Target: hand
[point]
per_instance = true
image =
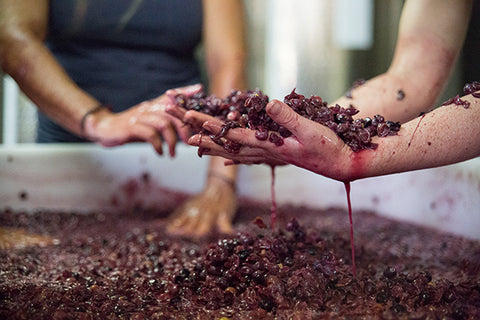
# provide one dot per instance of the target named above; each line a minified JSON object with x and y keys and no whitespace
{"x":147,"y":121}
{"x":191,"y":118}
{"x":312,"y":145}
{"x":213,"y":208}
{"x":20,"y":238}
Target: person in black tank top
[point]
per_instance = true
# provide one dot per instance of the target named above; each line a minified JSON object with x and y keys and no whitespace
{"x":98,"y":71}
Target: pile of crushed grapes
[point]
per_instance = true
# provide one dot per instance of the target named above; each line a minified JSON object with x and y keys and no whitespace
{"x":247,"y":109}
{"x":123,"y":265}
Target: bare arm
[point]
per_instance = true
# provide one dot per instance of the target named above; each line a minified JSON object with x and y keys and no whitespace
{"x":225,"y":50}
{"x":430,"y":37}
{"x":446,"y":135}
{"x":224,"y":42}
{"x":23,"y":55}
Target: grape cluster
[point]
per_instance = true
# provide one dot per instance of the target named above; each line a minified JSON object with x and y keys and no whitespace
{"x":246,"y":109}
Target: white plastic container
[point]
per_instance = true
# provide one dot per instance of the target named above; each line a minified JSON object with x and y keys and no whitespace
{"x":88,"y":177}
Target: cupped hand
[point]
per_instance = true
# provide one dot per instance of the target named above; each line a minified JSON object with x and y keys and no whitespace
{"x":211,"y":209}
{"x":147,"y":121}
{"x":193,"y":119}
{"x":312,"y":146}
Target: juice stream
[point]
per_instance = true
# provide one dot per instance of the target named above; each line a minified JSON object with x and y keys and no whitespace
{"x":273,"y":214}
{"x":347,"y":189}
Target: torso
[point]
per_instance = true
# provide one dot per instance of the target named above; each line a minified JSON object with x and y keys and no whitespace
{"x":124,"y":51}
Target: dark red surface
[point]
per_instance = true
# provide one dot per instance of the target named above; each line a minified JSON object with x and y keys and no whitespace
{"x":122,"y":265}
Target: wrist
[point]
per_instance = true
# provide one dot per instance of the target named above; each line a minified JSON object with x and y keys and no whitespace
{"x":355,"y":164}
{"x":90,"y":119}
{"x":230,"y":182}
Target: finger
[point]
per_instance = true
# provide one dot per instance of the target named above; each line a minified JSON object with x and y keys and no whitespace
{"x":170,"y":136}
{"x":176,"y":224}
{"x":224,"y":223}
{"x":175,"y":111}
{"x":187,"y":223}
{"x":197,"y":116}
{"x":212,"y":148}
{"x":184,"y":132}
{"x":241,"y":135}
{"x":181,"y":218}
{"x":188,"y":90}
{"x":203,"y":226}
{"x":246,"y":155}
{"x":203,"y":141}
{"x":303,"y":129}
{"x":254,"y":160}
{"x":192,"y":227}
{"x":181,"y":129}
{"x":196,"y":119}
{"x":148,"y":134}
{"x":165,"y":126}
{"x":285,"y":116}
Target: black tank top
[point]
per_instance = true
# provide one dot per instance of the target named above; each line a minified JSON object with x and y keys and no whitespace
{"x":123,"y":51}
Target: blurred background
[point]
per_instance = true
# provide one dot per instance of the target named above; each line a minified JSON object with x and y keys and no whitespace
{"x":316,"y":46}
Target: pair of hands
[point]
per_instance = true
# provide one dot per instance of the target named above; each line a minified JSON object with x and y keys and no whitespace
{"x":312,"y":146}
{"x":149,"y":121}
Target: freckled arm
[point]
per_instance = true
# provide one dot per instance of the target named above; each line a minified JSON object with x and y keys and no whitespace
{"x":430,"y":36}
{"x":447,"y":135}
{"x":24,"y":56}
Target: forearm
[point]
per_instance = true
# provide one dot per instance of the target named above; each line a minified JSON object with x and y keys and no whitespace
{"x":227,"y":77}
{"x":230,"y":76}
{"x":430,"y":36}
{"x":447,"y":135}
{"x":224,"y":39}
{"x":45,"y":82}
{"x":394,"y":96}
{"x":225,"y":45}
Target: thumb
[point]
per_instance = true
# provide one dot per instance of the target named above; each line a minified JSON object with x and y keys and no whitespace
{"x":284,"y":116}
{"x":188,"y":90}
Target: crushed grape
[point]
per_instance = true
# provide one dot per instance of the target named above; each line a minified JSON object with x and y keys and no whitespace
{"x":457,"y":101}
{"x":247,"y":109}
{"x":469,"y":88}
{"x":123,"y":265}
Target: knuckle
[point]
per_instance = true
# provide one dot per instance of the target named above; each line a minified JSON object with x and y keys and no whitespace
{"x":291,"y":119}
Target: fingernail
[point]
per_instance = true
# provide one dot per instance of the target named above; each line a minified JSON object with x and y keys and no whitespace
{"x":274,"y":108}
{"x":212,"y":126}
{"x":194,"y":87}
{"x":193,"y":141}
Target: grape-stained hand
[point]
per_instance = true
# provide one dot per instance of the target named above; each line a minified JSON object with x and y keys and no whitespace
{"x":312,"y":146}
{"x":147,"y":121}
